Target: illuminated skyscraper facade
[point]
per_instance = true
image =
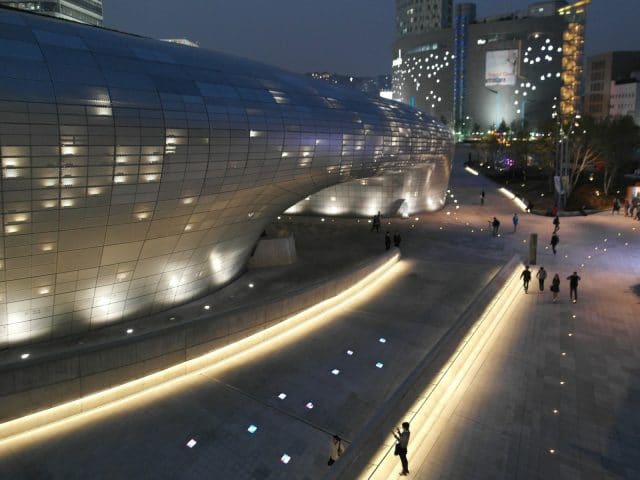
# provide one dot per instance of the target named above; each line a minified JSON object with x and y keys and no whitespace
{"x":414,"y":17}
{"x":84,"y":11}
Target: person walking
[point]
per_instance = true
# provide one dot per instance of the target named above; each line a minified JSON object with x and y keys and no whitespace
{"x":495,"y":225}
{"x":555,"y":286}
{"x":482,"y":197}
{"x":397,"y":239}
{"x":526,"y":278}
{"x":515,"y":222}
{"x":627,"y":206}
{"x":556,"y":224}
{"x":375,"y":223}
{"x":335,"y":449}
{"x":555,"y":239}
{"x":387,"y":241}
{"x":616,"y":206}
{"x":541,"y":276}
{"x":573,"y":286}
{"x":402,"y":439}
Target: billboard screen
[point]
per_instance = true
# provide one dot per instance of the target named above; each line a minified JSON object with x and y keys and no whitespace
{"x":502,"y":67}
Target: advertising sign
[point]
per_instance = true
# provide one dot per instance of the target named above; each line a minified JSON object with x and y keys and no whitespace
{"x":502,"y":67}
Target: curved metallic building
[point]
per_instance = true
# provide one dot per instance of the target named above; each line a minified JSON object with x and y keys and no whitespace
{"x":138,"y":174}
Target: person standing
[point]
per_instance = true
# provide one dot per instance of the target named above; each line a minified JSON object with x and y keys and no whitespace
{"x":495,"y":225}
{"x":541,"y":276}
{"x":627,"y":206}
{"x":554,"y":242}
{"x":482,"y":197}
{"x":397,"y":239}
{"x":515,"y":222}
{"x":526,"y":278}
{"x":402,"y":444}
{"x":573,"y":286}
{"x":556,"y":224}
{"x":375,"y":223}
{"x":335,"y":449}
{"x":555,"y":286}
{"x":387,"y":241}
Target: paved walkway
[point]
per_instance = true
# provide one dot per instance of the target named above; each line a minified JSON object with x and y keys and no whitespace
{"x":503,"y":424}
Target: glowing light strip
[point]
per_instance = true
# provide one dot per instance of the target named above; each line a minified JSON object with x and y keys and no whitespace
{"x":471,"y":171}
{"x":514,"y":198}
{"x":430,"y":413}
{"x":77,"y":412}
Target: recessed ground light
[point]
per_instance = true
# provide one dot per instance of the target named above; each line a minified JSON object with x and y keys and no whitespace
{"x":191,"y":443}
{"x":335,"y":371}
{"x":282,"y":396}
{"x":252,"y":429}
{"x":309,"y":405}
{"x":379,"y":364}
{"x":251,"y":285}
{"x":129,"y":330}
{"x":349,"y":352}
{"x":382,"y":340}
{"x":285,"y":458}
{"x":24,"y":356}
{"x":207,"y":307}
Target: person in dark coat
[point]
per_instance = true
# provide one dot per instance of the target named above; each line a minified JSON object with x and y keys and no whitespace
{"x":526,"y":278}
{"x":556,"y":224}
{"x":495,"y":225}
{"x":397,"y":239}
{"x":554,"y":242}
{"x":555,"y":286}
{"x":402,"y":439}
{"x":541,"y":276}
{"x":573,"y":286}
{"x":387,"y":240}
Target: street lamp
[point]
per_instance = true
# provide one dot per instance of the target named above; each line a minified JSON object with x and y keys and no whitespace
{"x":497,"y":120}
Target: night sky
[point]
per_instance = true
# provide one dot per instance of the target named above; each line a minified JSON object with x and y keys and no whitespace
{"x":342,"y":36}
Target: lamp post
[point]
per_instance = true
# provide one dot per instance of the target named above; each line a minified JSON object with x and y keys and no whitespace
{"x":497,"y":93}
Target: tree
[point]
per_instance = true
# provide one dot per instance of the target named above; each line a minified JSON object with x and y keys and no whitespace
{"x":617,"y":138}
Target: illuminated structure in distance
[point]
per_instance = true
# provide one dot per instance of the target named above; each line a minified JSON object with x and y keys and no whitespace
{"x":511,"y":68}
{"x":83,"y":11}
{"x":139,"y":174}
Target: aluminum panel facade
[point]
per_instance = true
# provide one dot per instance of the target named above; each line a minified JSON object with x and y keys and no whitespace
{"x":138,"y":174}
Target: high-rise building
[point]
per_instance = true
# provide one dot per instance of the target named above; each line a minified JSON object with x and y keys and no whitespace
{"x":625,"y":98}
{"x":83,"y":11}
{"x":417,"y":16}
{"x":484,"y":71}
{"x":601,"y":72}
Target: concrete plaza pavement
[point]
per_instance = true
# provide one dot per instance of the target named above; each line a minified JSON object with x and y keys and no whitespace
{"x":503,"y":425}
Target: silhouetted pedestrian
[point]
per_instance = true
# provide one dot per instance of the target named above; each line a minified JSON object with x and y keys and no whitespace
{"x":526,"y":278}
{"x":555,"y":239}
{"x":482,"y":197}
{"x":530,"y":206}
{"x":397,"y":239}
{"x":555,"y":286}
{"x":335,"y":449}
{"x":556,"y":224}
{"x":495,"y":225}
{"x":402,"y":444}
{"x":541,"y":276}
{"x":515,"y":222}
{"x":387,"y":241}
{"x":573,"y":286}
{"x":627,"y":206}
{"x":616,"y":206}
{"x":375,"y":222}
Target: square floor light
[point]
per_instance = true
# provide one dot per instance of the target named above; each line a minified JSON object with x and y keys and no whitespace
{"x":335,"y":371}
{"x":285,"y":458}
{"x":309,"y":405}
{"x":382,"y":340}
{"x":282,"y":396}
{"x":349,"y":352}
{"x":252,"y":429}
{"x":379,"y":364}
{"x":191,"y":443}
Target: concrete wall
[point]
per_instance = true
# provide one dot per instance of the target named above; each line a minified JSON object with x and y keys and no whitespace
{"x":30,"y":386}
